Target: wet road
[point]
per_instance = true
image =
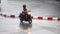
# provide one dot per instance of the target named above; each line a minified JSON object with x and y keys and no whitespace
{"x":13,"y":26}
{"x":38,"y":8}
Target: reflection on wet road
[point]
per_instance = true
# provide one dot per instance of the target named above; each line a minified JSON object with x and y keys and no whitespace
{"x":26,"y":28}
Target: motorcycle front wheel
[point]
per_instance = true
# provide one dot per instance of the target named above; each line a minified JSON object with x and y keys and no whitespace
{"x":30,"y":21}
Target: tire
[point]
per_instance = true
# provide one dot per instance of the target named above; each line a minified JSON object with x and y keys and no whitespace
{"x":30,"y":21}
{"x":21,"y":20}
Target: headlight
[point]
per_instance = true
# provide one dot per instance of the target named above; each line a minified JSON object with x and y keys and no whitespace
{"x":29,"y":12}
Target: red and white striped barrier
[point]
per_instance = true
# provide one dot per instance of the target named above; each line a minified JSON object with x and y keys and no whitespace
{"x":11,"y":16}
{"x":33,"y":17}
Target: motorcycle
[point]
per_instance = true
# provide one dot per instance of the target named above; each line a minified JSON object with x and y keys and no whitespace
{"x":24,"y":17}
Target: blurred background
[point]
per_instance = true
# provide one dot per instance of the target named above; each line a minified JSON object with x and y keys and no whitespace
{"x":37,"y":7}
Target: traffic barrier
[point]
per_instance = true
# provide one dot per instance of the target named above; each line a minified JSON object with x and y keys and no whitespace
{"x":12,"y":16}
{"x":50,"y":18}
{"x":58,"y":19}
{"x":4,"y":15}
{"x":33,"y":17}
{"x":40,"y":17}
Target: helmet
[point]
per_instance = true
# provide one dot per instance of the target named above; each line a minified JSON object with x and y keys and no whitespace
{"x":24,"y":6}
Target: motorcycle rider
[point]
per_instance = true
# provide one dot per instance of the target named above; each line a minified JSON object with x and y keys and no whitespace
{"x":25,"y":12}
{"x":25,"y":15}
